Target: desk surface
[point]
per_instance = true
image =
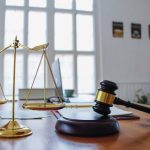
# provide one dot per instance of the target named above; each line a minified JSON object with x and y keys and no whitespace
{"x":133,"y":135}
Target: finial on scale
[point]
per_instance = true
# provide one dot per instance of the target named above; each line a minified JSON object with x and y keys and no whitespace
{"x":15,"y":43}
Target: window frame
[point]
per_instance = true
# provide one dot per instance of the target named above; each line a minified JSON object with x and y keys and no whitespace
{"x":50,"y":12}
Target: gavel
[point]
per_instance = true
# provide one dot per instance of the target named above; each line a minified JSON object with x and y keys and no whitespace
{"x":106,"y":97}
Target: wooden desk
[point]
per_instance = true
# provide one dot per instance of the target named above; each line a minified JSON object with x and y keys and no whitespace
{"x":134,"y":135}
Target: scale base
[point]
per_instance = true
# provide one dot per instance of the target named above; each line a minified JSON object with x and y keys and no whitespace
{"x":87,"y":125}
{"x":14,"y":130}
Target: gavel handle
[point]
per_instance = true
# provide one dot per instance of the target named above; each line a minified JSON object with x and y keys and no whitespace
{"x":119,"y":101}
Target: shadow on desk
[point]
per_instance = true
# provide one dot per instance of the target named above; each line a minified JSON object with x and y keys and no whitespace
{"x":120,"y":141}
{"x":88,"y":139}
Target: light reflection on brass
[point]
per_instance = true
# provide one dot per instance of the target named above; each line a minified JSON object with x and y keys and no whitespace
{"x":105,"y":97}
{"x":13,"y":129}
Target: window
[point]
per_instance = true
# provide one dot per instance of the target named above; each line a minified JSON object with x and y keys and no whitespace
{"x":15,"y":2}
{"x":63,"y":31}
{"x":63,"y":4}
{"x":85,"y":33}
{"x":74,"y":44}
{"x":85,"y":78}
{"x":69,"y":27}
{"x":8,"y":70}
{"x":36,"y":28}
{"x":10,"y":25}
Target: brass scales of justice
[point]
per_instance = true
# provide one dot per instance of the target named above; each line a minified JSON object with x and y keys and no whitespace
{"x":13,"y":128}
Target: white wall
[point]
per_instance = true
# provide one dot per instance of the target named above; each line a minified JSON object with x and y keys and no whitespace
{"x":124,"y":60}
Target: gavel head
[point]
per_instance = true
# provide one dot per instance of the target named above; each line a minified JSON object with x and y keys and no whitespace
{"x":105,"y":97}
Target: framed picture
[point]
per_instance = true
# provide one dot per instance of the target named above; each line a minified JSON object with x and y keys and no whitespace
{"x":149,"y":31}
{"x":136,"y":31}
{"x":117,"y":29}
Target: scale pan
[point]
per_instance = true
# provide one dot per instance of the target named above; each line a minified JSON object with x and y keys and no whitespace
{"x":43,"y":106}
{"x":3,"y":101}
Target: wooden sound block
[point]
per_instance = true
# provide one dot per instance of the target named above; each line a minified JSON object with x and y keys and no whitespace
{"x":87,"y":124}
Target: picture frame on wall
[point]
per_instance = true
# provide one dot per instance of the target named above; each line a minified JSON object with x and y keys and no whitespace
{"x":117,"y":29}
{"x":136,"y":30}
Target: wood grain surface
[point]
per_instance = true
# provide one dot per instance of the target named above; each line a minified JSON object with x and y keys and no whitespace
{"x":133,"y":135}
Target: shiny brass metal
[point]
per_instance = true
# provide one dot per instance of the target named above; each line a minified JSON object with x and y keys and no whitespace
{"x":105,"y":97}
{"x":15,"y":45}
{"x":14,"y":130}
{"x":43,"y":106}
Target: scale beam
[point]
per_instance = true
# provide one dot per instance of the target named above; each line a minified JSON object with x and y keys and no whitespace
{"x":36,"y":48}
{"x":2,"y":50}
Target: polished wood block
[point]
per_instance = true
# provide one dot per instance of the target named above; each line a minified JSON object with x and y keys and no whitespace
{"x":87,"y":124}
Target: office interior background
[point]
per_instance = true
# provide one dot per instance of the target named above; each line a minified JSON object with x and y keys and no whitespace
{"x":79,"y":33}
